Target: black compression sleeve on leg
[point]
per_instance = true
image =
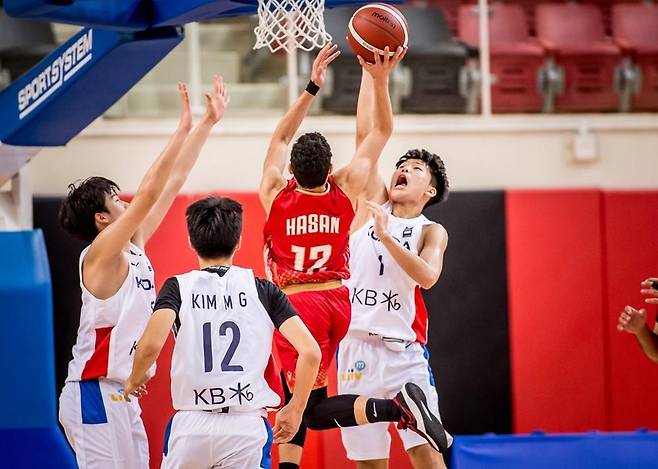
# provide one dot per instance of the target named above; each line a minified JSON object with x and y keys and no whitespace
{"x":338,"y":411}
{"x":288,"y":465}
{"x":332,"y":412}
{"x":382,"y":410}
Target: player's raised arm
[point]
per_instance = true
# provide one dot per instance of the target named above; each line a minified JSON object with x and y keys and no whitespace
{"x":104,"y":267}
{"x":148,"y":349}
{"x":425,"y":268}
{"x":375,"y":187}
{"x":289,"y":418}
{"x":354,"y":177}
{"x":273,"y":168}
{"x":188,"y":154}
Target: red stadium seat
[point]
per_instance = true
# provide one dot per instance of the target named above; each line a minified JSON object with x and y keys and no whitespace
{"x":635,"y":30}
{"x":574,"y":36}
{"x":516,"y":58}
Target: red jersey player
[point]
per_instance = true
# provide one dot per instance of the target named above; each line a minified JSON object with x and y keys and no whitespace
{"x":309,"y":218}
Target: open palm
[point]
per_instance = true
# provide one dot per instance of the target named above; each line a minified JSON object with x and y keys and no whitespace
{"x":217,"y":102}
{"x":327,"y":54}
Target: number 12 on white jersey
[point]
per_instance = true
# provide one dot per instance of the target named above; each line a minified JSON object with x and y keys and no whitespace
{"x":319,"y":254}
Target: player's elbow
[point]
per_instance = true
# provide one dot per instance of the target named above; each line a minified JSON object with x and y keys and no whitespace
{"x":311,"y":353}
{"x":384,"y":127}
{"x":148,"y":349}
{"x":427,"y":284}
{"x":429,"y":280}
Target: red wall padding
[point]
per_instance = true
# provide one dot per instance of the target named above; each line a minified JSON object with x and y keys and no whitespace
{"x":631,"y":233}
{"x":554,"y":255}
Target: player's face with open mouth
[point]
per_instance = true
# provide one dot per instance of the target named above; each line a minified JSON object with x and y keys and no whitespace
{"x":410,"y":180}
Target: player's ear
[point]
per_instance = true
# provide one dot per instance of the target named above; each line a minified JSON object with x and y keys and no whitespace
{"x":238,"y":246}
{"x":101,"y":218}
{"x":290,"y":168}
{"x":189,"y":242}
{"x":431,"y":191}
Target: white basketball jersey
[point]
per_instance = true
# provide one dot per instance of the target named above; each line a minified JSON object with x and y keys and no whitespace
{"x":385,"y":300}
{"x":109,"y":329}
{"x":223,"y":343}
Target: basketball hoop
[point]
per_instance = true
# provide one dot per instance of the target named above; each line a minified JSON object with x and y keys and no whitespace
{"x":291,"y":24}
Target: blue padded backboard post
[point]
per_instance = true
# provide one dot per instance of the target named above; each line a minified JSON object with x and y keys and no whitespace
{"x":29,"y":435}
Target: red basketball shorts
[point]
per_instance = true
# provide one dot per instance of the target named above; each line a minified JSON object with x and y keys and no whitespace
{"x":327,"y":314}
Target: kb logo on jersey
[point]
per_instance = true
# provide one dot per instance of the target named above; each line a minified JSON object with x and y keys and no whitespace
{"x":144,"y":283}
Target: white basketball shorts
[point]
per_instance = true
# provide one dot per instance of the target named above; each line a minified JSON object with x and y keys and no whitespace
{"x":199,"y":440}
{"x":368,"y":367}
{"x":105,"y":431}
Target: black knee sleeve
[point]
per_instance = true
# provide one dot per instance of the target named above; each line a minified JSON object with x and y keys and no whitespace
{"x":332,"y":412}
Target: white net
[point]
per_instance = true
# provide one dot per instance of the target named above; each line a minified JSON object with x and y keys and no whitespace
{"x":291,"y":24}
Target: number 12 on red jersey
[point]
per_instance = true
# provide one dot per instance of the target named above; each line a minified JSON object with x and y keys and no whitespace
{"x":319,"y":254}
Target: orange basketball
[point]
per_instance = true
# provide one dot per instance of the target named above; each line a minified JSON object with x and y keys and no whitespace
{"x":375,"y":26}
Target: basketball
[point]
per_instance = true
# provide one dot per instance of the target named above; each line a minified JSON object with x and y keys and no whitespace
{"x":375,"y":26}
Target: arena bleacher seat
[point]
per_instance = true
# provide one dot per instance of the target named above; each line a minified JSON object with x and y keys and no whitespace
{"x":574,"y":37}
{"x":439,"y":67}
{"x":516,"y":58}
{"x":635,"y":30}
{"x":344,"y":77}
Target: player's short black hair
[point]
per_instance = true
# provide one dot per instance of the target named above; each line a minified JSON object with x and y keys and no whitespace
{"x":78,"y":210}
{"x":437,"y":168}
{"x":214,"y":225}
{"x":310,"y":159}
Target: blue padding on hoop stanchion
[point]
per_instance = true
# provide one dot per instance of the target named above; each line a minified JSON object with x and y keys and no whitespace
{"x":28,"y":417}
{"x":118,"y":15}
{"x":572,"y":451}
{"x":75,"y":84}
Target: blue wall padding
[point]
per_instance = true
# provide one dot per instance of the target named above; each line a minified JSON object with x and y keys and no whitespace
{"x":110,"y":63}
{"x":123,"y":15}
{"x":28,"y":415}
{"x":569,"y":451}
{"x":35,"y":448}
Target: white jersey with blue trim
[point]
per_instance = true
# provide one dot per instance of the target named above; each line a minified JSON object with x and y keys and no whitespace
{"x":385,"y":299}
{"x":223,"y":343}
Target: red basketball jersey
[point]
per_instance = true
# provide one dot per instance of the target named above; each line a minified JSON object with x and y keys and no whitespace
{"x":307,"y":235}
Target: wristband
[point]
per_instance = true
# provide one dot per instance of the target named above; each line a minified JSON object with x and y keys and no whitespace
{"x":312,"y":88}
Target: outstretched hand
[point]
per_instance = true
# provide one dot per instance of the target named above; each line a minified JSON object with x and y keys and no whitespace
{"x":383,"y":66}
{"x":632,"y":320}
{"x":327,"y":54}
{"x":185,"y":122}
{"x":217,"y":102}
